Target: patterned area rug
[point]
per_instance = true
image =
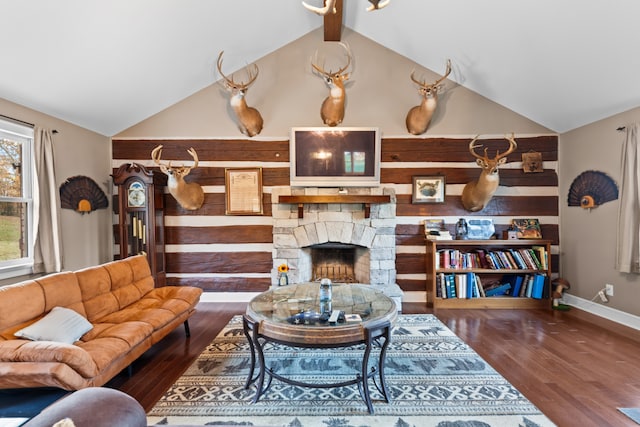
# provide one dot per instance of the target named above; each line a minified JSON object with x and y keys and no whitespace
{"x":434,"y":378}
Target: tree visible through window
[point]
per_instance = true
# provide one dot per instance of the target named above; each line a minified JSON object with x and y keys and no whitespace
{"x":15,"y":194}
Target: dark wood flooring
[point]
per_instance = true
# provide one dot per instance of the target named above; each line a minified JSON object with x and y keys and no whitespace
{"x":576,"y":371}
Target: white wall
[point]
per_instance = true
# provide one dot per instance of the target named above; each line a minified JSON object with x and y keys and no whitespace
{"x":589,"y":236}
{"x":86,"y":239}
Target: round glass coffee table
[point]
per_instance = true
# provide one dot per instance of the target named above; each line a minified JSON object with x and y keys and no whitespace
{"x":290,"y":315}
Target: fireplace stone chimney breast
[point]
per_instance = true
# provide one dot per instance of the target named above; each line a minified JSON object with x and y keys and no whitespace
{"x":337,"y":223}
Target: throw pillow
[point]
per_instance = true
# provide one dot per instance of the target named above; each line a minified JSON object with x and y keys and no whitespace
{"x":59,"y":325}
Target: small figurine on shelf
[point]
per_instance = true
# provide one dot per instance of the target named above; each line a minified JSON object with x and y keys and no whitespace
{"x":283,"y":278}
{"x":511,"y":233}
{"x":461,"y":229}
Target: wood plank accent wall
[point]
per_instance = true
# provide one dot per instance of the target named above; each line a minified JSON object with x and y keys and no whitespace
{"x":209,"y":249}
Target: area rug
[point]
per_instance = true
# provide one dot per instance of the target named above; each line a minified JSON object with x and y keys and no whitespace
{"x":434,"y":379}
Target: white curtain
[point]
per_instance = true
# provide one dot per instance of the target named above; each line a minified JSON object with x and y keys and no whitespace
{"x":628,"y":250}
{"x":47,"y":254}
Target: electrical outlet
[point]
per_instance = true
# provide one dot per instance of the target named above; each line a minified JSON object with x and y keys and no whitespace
{"x":602,"y":296}
{"x":608,"y":289}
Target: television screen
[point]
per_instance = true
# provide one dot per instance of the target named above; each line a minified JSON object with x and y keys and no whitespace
{"x":335,"y":157}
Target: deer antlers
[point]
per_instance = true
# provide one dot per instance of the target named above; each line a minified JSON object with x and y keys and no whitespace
{"x":332,"y":110}
{"x":249,"y":119}
{"x":330,"y":6}
{"x":498,"y":158}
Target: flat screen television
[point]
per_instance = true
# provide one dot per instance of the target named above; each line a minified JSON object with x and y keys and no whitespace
{"x":335,"y":156}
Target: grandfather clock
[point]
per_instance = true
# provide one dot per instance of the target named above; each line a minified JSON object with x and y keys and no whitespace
{"x":141,"y":216}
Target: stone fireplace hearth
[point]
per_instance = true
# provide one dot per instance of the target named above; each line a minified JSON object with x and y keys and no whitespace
{"x":337,"y":225}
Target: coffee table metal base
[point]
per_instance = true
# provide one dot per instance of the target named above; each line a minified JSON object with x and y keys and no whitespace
{"x":380,"y":336}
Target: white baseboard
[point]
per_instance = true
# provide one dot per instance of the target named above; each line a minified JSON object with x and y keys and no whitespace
{"x":599,"y":309}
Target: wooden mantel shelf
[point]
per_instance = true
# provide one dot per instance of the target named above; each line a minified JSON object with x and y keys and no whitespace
{"x":366,"y":200}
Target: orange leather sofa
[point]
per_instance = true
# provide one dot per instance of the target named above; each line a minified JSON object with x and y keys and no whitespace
{"x":118,"y":298}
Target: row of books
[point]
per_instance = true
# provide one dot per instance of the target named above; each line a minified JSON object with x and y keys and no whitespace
{"x":469,"y":285}
{"x":533,"y":258}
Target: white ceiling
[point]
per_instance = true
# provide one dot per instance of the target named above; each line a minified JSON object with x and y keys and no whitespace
{"x":107,"y":65}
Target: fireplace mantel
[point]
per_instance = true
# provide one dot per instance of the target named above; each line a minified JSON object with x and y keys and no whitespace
{"x":366,"y":200}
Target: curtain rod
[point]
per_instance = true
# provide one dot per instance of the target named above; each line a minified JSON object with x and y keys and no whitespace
{"x":23,"y":122}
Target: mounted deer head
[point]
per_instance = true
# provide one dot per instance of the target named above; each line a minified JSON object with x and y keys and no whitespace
{"x":249,"y":119}
{"x":189,"y":195}
{"x":329,"y":7}
{"x":419,"y":117}
{"x":332,"y":110}
{"x":477,"y":194}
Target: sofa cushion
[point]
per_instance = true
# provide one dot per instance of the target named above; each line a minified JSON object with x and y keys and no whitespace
{"x":60,"y":325}
{"x":95,"y":285}
{"x":45,"y":352}
{"x":21,"y":303}
{"x":62,"y":290}
{"x":130,"y":279}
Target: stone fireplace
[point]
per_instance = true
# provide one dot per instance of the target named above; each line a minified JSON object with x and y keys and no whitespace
{"x":356,"y":243}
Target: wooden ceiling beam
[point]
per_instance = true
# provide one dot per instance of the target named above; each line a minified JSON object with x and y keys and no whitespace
{"x":333,"y":24}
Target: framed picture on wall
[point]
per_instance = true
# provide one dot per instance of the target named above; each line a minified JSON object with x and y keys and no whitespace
{"x":428,"y":189}
{"x":527,"y":228}
{"x":243,"y":191}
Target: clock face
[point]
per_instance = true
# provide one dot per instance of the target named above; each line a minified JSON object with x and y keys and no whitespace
{"x":137,"y":196}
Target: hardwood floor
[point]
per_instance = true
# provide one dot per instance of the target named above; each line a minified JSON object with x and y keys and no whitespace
{"x":575,"y":371}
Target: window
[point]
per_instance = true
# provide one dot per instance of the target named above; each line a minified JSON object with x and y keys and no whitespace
{"x":354,"y":162}
{"x":16,"y":203}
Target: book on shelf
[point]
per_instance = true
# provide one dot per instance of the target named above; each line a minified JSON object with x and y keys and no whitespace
{"x":491,"y":261}
{"x":506,"y":264}
{"x":517,"y":285}
{"x":482,"y":258}
{"x":538,"y":286}
{"x":542,"y":256}
{"x":461,"y":285}
{"x":534,"y":257}
{"x":480,"y":288}
{"x":501,"y":289}
{"x":518,"y":259}
{"x":439,"y":235}
{"x":451,"y":286}
{"x":529,"y":288}
{"x":441,"y":286}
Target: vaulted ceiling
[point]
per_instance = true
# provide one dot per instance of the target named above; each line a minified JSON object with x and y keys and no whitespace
{"x":107,"y":65}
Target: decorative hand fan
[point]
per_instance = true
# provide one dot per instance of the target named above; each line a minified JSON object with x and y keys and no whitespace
{"x":82,"y":194}
{"x":591,"y":189}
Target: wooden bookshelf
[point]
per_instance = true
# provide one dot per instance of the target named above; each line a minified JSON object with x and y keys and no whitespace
{"x":487,"y":275}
